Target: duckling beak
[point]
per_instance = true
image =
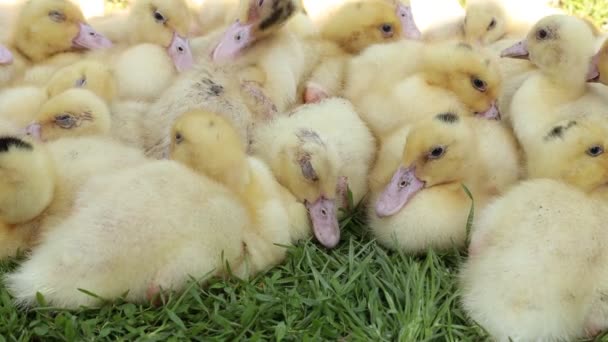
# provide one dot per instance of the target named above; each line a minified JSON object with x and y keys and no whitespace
{"x":324,"y":222}
{"x":88,"y":38}
{"x":6,"y":57}
{"x":180,"y":53}
{"x":401,"y":189}
{"x":493,"y":113}
{"x":236,"y":38}
{"x":593,"y":75}
{"x":34,"y":130}
{"x":519,"y":50}
{"x":409,"y":28}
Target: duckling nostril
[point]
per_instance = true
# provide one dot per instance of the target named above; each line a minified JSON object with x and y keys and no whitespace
{"x":324,"y":212}
{"x":180,"y":49}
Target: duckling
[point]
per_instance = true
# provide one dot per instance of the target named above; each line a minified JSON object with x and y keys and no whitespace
{"x":561,"y":47}
{"x":567,"y":190}
{"x":45,"y":30}
{"x":311,"y":155}
{"x":439,"y":156}
{"x":75,"y":112}
{"x":353,"y":26}
{"x":602,"y":63}
{"x":227,"y":211}
{"x":87,"y":74}
{"x":471,"y":81}
{"x":60,"y":168}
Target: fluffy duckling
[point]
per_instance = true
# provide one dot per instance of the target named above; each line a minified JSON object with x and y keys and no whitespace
{"x":227,"y":211}
{"x":354,"y":26}
{"x":45,"y":29}
{"x":49,"y":177}
{"x":21,"y":104}
{"x":87,"y":74}
{"x":471,"y":80}
{"x":316,"y":153}
{"x":561,"y":47}
{"x":6,"y":59}
{"x":602,"y":63}
{"x":75,"y":112}
{"x":438,"y":156}
{"x":501,"y":287}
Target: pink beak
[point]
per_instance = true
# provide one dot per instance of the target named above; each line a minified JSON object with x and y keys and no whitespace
{"x":180,"y":53}
{"x":88,"y":38}
{"x":491,"y":114}
{"x":409,"y":28}
{"x":593,"y":75}
{"x":6,"y":56}
{"x":34,"y":130}
{"x":401,"y":189}
{"x":519,"y":50}
{"x":324,"y":221}
{"x":236,"y":38}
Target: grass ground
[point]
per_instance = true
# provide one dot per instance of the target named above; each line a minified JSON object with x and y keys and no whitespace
{"x":356,"y":292}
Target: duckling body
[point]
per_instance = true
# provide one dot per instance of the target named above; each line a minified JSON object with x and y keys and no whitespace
{"x":433,"y":213}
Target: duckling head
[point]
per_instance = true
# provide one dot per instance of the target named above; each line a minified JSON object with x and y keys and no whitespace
{"x":73,"y":113}
{"x":256,"y":19}
{"x":575,"y":151}
{"x":474,"y":77}
{"x":48,"y":27}
{"x":561,"y":46}
{"x":437,"y":152}
{"x":91,"y":75}
{"x":165,"y":23}
{"x":6,"y":56}
{"x":485,"y":22}
{"x":27,"y":181}
{"x":207,"y":143}
{"x":356,"y":25}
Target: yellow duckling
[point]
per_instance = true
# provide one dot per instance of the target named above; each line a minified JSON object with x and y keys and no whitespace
{"x":87,"y":74}
{"x":318,"y":152}
{"x":422,"y":204}
{"x":228,"y":211}
{"x":512,"y":297}
{"x":73,"y":113}
{"x":45,"y":30}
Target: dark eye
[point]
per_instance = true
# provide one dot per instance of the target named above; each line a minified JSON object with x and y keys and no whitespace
{"x":64,"y":121}
{"x":159,"y":17}
{"x":260,"y":3}
{"x":387,"y":29}
{"x":436,"y":152}
{"x":542,"y":34}
{"x":81,"y":82}
{"x":595,"y":151}
{"x":479,"y":84}
{"x":179,"y":138}
{"x":57,"y":16}
{"x":492,"y":24}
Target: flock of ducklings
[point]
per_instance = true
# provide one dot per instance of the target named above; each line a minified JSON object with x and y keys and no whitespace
{"x":139,"y":150}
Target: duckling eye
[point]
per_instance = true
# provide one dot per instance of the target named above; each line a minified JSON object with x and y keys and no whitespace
{"x":159,"y":17}
{"x":542,"y":34}
{"x":436,"y":152}
{"x":179,"y":138}
{"x":595,"y":151}
{"x":57,"y":16}
{"x":65,"y":121}
{"x":260,"y":3}
{"x":81,"y":82}
{"x":492,"y":24}
{"x":479,"y":84}
{"x":387,"y":30}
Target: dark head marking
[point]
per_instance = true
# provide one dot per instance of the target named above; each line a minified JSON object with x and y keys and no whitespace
{"x":307,"y":170}
{"x":448,"y":118}
{"x":7,"y":142}
{"x":308,"y":135}
{"x":281,"y":11}
{"x":465,"y":46}
{"x":558,"y":131}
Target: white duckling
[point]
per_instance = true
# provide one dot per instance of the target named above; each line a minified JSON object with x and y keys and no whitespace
{"x":513,"y":298}
{"x":422,"y":204}
{"x":317,"y":152}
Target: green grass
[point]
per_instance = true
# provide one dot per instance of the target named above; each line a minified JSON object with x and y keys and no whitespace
{"x":356,"y":292}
